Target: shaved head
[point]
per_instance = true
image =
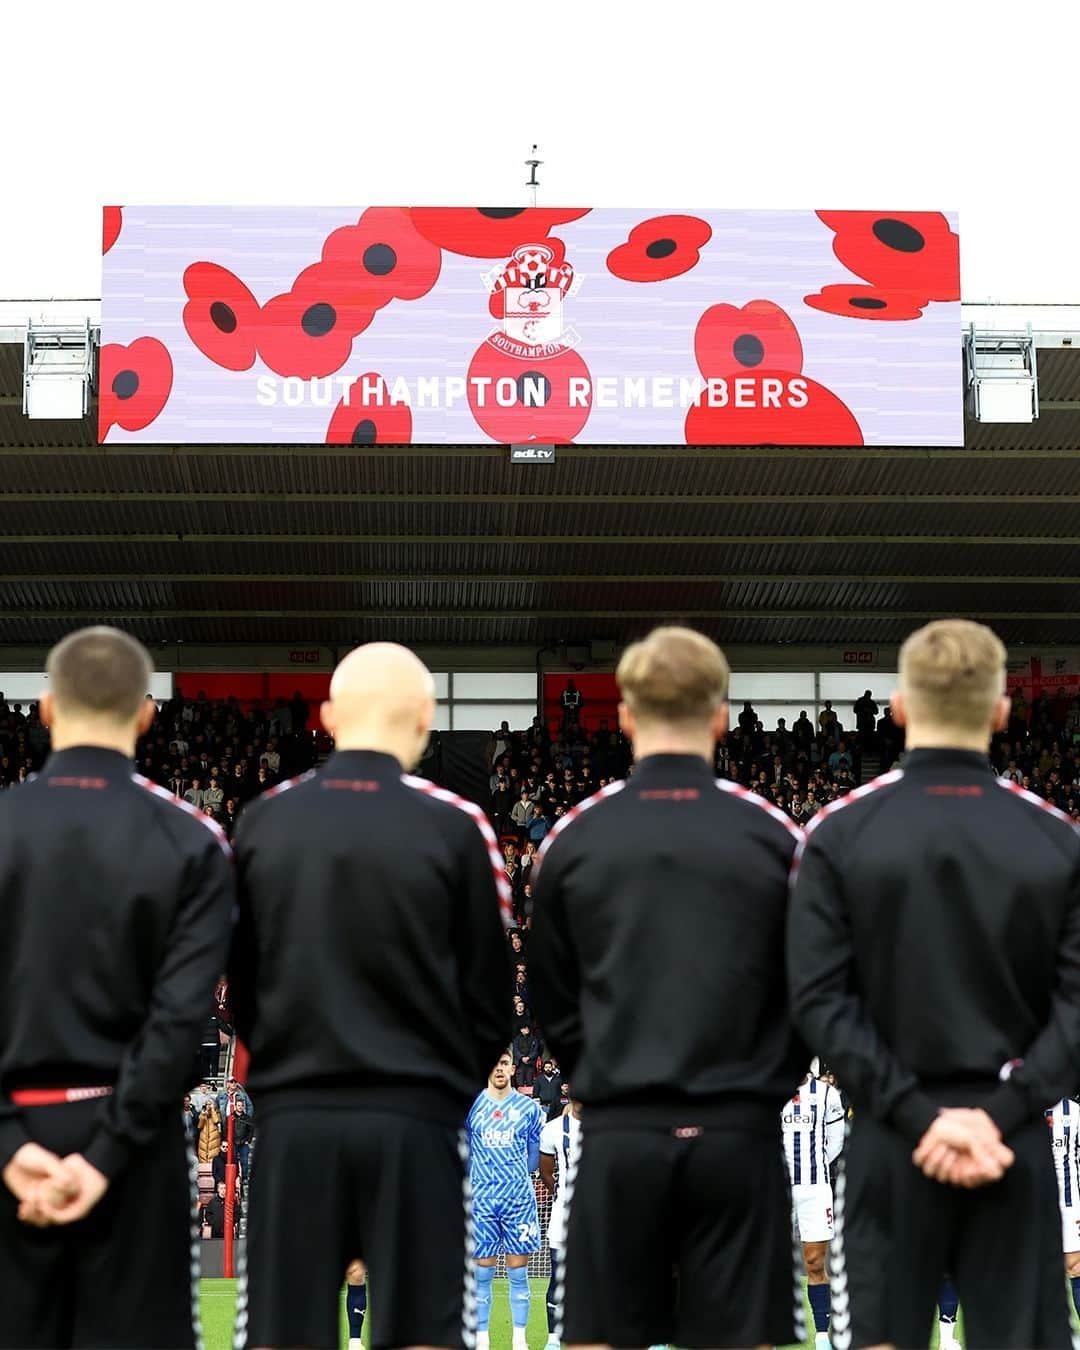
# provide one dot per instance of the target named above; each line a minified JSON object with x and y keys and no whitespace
{"x":382,"y":697}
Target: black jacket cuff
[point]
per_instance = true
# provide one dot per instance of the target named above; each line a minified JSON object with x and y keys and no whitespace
{"x":913,"y":1114}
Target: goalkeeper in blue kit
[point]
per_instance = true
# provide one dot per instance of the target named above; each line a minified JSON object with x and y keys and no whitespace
{"x":504,"y":1150}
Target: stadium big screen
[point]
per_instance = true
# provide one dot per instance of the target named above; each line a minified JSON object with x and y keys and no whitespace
{"x":623,"y":326}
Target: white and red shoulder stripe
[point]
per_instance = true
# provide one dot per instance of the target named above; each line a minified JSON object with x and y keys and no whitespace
{"x":875,"y":785}
{"x":737,"y":790}
{"x":1035,"y":800}
{"x":502,"y":884}
{"x":201,"y":816}
{"x":572,"y":815}
{"x":284,"y":786}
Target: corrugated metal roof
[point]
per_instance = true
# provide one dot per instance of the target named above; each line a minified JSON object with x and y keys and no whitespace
{"x":456,"y":546}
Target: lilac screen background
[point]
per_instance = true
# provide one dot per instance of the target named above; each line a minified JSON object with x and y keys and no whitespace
{"x":902,"y":380}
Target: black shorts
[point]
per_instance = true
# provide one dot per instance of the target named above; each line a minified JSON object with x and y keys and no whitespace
{"x":127,"y":1274}
{"x":330,"y":1184}
{"x":898,"y":1233}
{"x":681,"y":1241}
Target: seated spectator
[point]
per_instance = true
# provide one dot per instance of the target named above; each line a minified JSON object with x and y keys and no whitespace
{"x":194,"y":795}
{"x":213,"y":1214}
{"x":220,"y":1163}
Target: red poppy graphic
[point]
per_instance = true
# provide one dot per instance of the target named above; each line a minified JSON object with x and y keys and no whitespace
{"x":760,"y":335}
{"x":489,"y":231}
{"x":309,"y":331}
{"x":867,"y":302}
{"x":366,"y":416}
{"x":913,"y":251}
{"x":514,"y":400}
{"x":221,"y":316}
{"x":756,"y":393}
{"x":111,"y":225}
{"x":660,"y":248}
{"x":134,"y":384}
{"x":779,"y":409}
{"x":386,"y":257}
{"x":497,"y":299}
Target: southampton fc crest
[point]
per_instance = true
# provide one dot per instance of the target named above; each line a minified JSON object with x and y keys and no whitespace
{"x":534,"y":287}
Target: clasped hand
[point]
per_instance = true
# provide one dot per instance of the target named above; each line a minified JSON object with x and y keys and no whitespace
{"x":963,"y":1147}
{"x":50,"y":1189}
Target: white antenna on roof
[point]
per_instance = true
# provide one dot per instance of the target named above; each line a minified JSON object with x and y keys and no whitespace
{"x":532,"y":165}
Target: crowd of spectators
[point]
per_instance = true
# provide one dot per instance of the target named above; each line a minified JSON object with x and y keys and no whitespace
{"x":215,"y":756}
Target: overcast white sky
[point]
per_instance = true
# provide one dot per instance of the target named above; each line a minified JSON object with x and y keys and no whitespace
{"x":665,"y":103}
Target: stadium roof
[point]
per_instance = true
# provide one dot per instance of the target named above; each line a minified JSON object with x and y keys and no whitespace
{"x":451,"y":544}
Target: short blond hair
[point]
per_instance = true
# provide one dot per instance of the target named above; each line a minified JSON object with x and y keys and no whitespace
{"x":101,"y":672}
{"x":952,"y":673}
{"x":674,"y":675}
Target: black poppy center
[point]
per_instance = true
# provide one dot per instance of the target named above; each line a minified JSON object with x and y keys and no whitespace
{"x":221,"y":316}
{"x":661,"y":248}
{"x":125,"y":384}
{"x":364,"y":432}
{"x":318,"y":319}
{"x":533,"y":389}
{"x":898,"y":234}
{"x":379,"y":259}
{"x":866,"y":302}
{"x":749,"y":350}
{"x":500,"y":212}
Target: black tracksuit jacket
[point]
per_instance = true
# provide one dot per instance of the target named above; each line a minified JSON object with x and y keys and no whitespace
{"x":657,"y":949}
{"x":115,"y":908}
{"x":934,"y":944}
{"x":370,"y":962}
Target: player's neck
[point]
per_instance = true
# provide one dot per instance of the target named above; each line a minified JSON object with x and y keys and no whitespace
{"x":91,"y":733}
{"x":499,"y":1094}
{"x":665,"y":741}
{"x":928,"y":737}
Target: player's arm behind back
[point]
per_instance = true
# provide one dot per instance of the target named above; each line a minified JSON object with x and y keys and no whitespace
{"x":482,"y":950}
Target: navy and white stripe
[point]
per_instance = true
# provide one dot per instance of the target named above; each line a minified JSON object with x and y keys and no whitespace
{"x":811,"y":1122}
{"x":1064,"y":1122}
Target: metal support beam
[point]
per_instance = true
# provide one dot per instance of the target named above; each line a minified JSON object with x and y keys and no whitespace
{"x":314,"y":615}
{"x":545,"y":578}
{"x":557,"y":498}
{"x":497,"y":540}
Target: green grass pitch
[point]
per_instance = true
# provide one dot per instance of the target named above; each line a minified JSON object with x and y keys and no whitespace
{"x":219,"y":1299}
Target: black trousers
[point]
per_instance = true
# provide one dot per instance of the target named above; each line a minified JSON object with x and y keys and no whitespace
{"x":126,"y":1276}
{"x":898,"y":1233}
